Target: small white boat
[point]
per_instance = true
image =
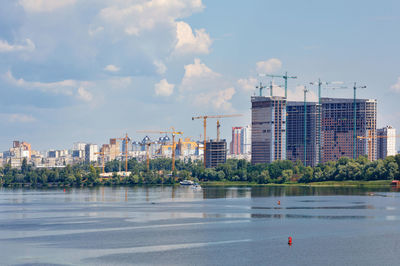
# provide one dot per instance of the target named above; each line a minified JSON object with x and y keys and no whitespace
{"x":186,"y":183}
{"x":196,"y":186}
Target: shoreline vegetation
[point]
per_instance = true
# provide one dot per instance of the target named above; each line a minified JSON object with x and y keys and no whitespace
{"x":344,"y":172}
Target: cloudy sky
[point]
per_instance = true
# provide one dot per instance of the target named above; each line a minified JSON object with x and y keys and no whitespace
{"x":89,"y":70}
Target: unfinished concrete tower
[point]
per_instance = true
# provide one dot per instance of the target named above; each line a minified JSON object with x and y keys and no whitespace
{"x":268,"y":136}
{"x":338,"y":126}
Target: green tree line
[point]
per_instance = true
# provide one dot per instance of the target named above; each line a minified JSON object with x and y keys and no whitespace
{"x":278,"y":172}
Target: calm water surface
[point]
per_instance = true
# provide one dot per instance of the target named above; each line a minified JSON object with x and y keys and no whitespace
{"x":212,"y":226}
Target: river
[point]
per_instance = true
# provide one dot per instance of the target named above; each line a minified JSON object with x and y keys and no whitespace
{"x":211,"y":226}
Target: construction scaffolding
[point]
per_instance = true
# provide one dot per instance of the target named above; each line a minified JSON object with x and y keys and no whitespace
{"x":215,"y":153}
{"x":338,"y":128}
{"x":268,"y":118}
{"x":295,"y":132}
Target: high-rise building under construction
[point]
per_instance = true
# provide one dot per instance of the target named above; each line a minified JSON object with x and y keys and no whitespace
{"x":215,"y":153}
{"x":299,"y":139}
{"x":337,"y":139}
{"x":328,"y":135}
{"x":268,"y":122}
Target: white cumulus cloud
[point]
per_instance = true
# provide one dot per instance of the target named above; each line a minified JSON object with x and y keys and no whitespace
{"x":247,"y":84}
{"x":84,"y":95}
{"x":44,"y":5}
{"x":198,"y":69}
{"x":95,"y":30}
{"x":59,"y":87}
{"x":396,"y":87}
{"x":196,"y":75}
{"x":204,"y":88}
{"x":188,"y":43}
{"x":218,"y":100}
{"x":296,"y":94}
{"x":163,"y":88}
{"x":269,"y":66}
{"x":21,"y":118}
{"x":29,"y":46}
{"x":136,"y":16}
{"x":65,"y":87}
{"x":112,"y":68}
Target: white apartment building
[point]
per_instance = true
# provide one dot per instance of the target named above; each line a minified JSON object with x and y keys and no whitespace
{"x":386,"y":142}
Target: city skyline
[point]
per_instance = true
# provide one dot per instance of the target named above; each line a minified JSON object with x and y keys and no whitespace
{"x":92,"y":70}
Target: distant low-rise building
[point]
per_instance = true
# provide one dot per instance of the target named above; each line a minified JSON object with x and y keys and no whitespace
{"x":20,"y":150}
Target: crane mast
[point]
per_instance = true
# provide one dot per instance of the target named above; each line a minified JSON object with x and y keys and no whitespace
{"x":173,"y":132}
{"x":369,"y":138}
{"x":102,"y":156}
{"x":126,"y":139}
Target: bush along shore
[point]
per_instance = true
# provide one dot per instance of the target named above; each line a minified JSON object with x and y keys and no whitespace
{"x":233,"y":172}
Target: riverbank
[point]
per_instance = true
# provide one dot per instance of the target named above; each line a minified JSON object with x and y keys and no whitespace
{"x":375,"y":183}
{"x":366,"y":184}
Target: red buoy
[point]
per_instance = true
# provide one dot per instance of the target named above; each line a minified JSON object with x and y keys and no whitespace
{"x":279,"y":202}
{"x":64,"y":189}
{"x":290,"y":241}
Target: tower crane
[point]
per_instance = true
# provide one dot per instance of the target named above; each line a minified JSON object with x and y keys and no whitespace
{"x":285,"y":77}
{"x":173,"y":132}
{"x":305,"y":126}
{"x":102,"y":156}
{"x":319,"y":128}
{"x":355,"y":87}
{"x":147,"y":154}
{"x":126,"y":139}
{"x":205,"y":117}
{"x":370,"y":137}
{"x":261,"y":87}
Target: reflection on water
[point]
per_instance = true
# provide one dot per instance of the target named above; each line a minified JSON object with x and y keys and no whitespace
{"x":149,"y":194}
{"x":281,"y":191}
{"x":316,"y":208}
{"x":298,"y":216}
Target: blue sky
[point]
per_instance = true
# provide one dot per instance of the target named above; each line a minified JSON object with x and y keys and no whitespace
{"x":90,"y":70}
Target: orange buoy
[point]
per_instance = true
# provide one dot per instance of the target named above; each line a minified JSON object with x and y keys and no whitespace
{"x":290,"y":241}
{"x":279,"y":202}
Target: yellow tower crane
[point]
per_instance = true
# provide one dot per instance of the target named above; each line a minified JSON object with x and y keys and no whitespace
{"x":205,"y":117}
{"x":370,"y":137}
{"x":102,"y":157}
{"x":173,"y":132}
{"x":147,"y":154}
{"x":125,"y":139}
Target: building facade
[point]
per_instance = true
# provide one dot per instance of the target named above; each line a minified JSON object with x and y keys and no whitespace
{"x":299,"y":139}
{"x":241,"y":140}
{"x":268,"y":125}
{"x":246,"y":139}
{"x":90,"y":153}
{"x":14,"y":156}
{"x":338,"y":128}
{"x":236,"y":143}
{"x":215,"y":153}
{"x":386,"y":142}
{"x":110,"y":151}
